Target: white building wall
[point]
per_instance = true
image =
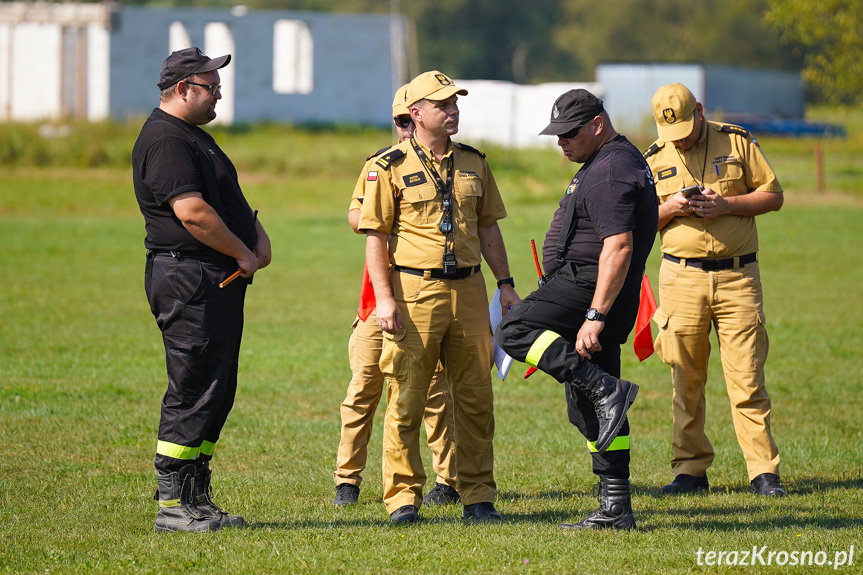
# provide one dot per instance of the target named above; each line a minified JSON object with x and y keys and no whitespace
{"x":35,"y":71}
{"x":98,"y":72}
{"x":219,"y":41}
{"x":510,"y":114}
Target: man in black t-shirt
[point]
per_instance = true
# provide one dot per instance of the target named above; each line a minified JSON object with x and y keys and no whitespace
{"x":200,"y":230}
{"x":572,"y":327}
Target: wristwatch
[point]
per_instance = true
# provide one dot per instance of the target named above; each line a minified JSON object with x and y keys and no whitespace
{"x":509,"y":281}
{"x":594,"y":315}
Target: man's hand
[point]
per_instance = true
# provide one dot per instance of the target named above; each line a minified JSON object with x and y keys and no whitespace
{"x":508,"y":298}
{"x":587,"y":339}
{"x":248,"y":265}
{"x":708,"y":204}
{"x":388,"y":315}
{"x":680,"y":205}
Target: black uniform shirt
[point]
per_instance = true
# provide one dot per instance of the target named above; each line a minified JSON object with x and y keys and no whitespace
{"x":165,"y":163}
{"x":616,"y":196}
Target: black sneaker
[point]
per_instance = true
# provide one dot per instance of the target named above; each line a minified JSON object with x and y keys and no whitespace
{"x":441,"y":494}
{"x":684,"y":483}
{"x":405,"y":514}
{"x":483,"y":511}
{"x":346,"y":494}
{"x":767,"y":484}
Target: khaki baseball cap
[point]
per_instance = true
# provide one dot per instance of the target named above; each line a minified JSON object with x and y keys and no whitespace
{"x":399,"y":106}
{"x":674,"y":112}
{"x":432,"y":85}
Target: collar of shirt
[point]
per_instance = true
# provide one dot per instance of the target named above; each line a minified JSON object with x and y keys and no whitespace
{"x":430,"y":154}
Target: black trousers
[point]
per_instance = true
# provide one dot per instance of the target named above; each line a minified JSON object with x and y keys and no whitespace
{"x":201,"y":325}
{"x":559,"y":307}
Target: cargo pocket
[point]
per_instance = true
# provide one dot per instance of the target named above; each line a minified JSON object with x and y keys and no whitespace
{"x":394,"y":358}
{"x":188,"y":365}
{"x":762,"y":341}
{"x":660,"y":318}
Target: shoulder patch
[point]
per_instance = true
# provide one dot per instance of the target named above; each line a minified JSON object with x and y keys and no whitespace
{"x":651,"y":150}
{"x":378,"y":153}
{"x":468,"y":148}
{"x":388,"y":158}
{"x":667,"y":173}
{"x":734,"y":130}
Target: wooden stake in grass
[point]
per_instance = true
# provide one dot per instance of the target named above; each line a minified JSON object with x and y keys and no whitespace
{"x":231,"y":278}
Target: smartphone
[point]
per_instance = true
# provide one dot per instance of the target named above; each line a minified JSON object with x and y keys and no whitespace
{"x":690,"y":191}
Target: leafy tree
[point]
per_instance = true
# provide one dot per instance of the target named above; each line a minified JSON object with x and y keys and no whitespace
{"x":728,"y":32}
{"x":832,"y":33}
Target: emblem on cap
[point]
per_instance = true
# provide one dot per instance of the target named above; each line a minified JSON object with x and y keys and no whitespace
{"x":556,"y":113}
{"x":669,"y":116}
{"x":444,"y":81}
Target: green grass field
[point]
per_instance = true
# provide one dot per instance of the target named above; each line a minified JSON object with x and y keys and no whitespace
{"x":82,"y":374}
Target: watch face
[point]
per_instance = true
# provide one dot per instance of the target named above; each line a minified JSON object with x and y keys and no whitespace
{"x":591,"y":314}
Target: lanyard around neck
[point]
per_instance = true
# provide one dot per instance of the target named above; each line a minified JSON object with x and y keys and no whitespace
{"x":444,"y":188}
{"x":703,"y":161}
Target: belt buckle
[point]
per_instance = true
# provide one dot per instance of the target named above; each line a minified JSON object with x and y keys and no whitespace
{"x":710,"y":265}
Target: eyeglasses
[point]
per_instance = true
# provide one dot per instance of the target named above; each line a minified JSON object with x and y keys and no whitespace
{"x":211,"y":88}
{"x":402,"y":122}
{"x":573,"y":132}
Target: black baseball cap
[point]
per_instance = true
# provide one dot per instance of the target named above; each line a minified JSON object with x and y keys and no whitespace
{"x":183,"y":63}
{"x":572,"y":110}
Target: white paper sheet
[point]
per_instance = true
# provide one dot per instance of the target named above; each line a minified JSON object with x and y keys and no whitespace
{"x":501,"y":359}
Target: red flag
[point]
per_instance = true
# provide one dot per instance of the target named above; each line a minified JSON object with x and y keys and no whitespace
{"x":529,"y":372}
{"x":643,"y":341}
{"x":367,"y":296}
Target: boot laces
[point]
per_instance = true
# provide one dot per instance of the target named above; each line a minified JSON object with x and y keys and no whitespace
{"x":187,"y":500}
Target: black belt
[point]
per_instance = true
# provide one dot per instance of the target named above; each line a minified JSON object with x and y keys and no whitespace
{"x":204,"y":257}
{"x":459,"y":274}
{"x":712,"y":265}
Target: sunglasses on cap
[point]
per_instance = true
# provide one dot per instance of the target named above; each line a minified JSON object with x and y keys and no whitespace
{"x":402,"y":122}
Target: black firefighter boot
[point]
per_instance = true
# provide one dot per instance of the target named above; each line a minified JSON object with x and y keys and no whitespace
{"x":204,"y":498}
{"x":615,"y":507}
{"x":611,"y":398}
{"x":177,"y":509}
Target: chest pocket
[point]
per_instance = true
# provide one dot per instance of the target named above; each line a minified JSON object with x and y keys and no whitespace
{"x":731,"y":180}
{"x":467,"y":191}
{"x":668,"y":181}
{"x":424,"y":204}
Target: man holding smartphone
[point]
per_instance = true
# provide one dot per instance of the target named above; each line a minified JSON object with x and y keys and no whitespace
{"x":712,"y":180}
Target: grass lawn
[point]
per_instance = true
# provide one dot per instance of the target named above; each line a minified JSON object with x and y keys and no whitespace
{"x":82,"y":374}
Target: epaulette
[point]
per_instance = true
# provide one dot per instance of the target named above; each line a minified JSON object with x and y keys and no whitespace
{"x":378,"y":153}
{"x":734,"y":130}
{"x":651,"y":150}
{"x":388,"y":158}
{"x":468,"y":148}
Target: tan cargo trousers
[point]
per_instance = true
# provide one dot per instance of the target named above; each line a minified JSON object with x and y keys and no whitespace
{"x":446,"y":319}
{"x":364,"y":393}
{"x":691,"y":301}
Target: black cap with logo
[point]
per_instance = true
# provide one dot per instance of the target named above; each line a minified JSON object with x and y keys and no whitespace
{"x":572,"y":110}
{"x":184,"y":63}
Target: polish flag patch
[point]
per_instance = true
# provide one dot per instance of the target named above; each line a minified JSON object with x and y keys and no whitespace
{"x":373,"y":176}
